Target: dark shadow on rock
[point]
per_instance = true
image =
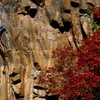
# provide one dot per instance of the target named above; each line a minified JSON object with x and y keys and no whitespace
{"x":27,"y":8}
{"x":54,"y":24}
{"x":67,"y":11}
{"x":3,"y":57}
{"x":37,"y":66}
{"x":16,"y":82}
{"x":38,"y":87}
{"x":83,"y":32}
{"x":23,"y":13}
{"x":30,"y":11}
{"x":65,"y":28}
{"x":38,"y":2}
{"x":13,"y":74}
{"x":90,"y":5}
{"x":74,"y":4}
{"x":18,"y":96}
{"x":83,"y":11}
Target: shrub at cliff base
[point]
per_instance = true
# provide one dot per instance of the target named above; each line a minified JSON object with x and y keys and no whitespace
{"x":75,"y":75}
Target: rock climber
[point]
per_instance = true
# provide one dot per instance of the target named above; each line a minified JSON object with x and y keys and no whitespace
{"x":2,"y":29}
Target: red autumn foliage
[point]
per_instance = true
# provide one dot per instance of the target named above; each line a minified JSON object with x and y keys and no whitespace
{"x":54,"y":77}
{"x":75,"y":81}
{"x":96,"y":12}
{"x":89,"y":54}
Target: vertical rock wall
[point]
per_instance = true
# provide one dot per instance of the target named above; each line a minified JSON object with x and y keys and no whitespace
{"x":33,"y":28}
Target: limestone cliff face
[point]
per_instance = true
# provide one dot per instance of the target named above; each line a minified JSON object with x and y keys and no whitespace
{"x":33,"y":28}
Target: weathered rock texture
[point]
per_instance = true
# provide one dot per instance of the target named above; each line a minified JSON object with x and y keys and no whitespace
{"x":33,"y":29}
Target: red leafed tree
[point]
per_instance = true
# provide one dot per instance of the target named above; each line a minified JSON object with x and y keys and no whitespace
{"x":86,"y":74}
{"x":75,"y":75}
{"x":89,"y":54}
{"x":96,"y":12}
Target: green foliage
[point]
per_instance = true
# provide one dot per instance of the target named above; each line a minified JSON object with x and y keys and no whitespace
{"x":94,"y":24}
{"x":88,"y":11}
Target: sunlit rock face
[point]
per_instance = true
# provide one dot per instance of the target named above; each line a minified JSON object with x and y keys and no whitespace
{"x":33,"y":28}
